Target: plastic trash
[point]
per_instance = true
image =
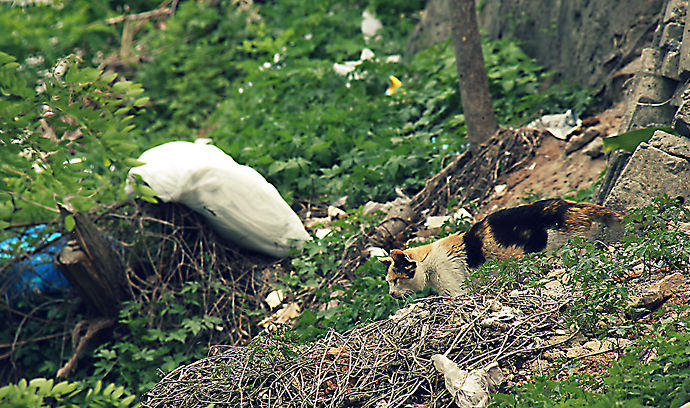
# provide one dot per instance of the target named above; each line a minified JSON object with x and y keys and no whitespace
{"x":36,"y":273}
{"x":560,"y":125}
{"x":370,"y":24}
{"x":469,"y":389}
{"x":236,"y":200}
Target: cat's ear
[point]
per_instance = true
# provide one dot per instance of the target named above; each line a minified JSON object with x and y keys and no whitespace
{"x":399,"y":257}
{"x":388,"y":261}
{"x":404,"y":265}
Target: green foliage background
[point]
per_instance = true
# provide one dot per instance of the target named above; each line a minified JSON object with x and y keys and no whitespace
{"x":260,"y":82}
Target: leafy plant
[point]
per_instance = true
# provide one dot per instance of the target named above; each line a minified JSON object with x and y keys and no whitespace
{"x":654,"y":373}
{"x":66,"y":143}
{"x":599,"y":299}
{"x":531,"y":196}
{"x":39,"y":393}
{"x":145,"y":347}
{"x":274,"y":345}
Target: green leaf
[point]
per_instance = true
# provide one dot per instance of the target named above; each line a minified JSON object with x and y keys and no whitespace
{"x":64,"y":388}
{"x":11,"y":66}
{"x":130,"y":162}
{"x":629,"y":141}
{"x":90,"y":74}
{"x":141,"y":101}
{"x":70,"y":223}
{"x":5,"y":58}
{"x":42,"y":385}
{"x":108,"y":77}
{"x":122,"y":86}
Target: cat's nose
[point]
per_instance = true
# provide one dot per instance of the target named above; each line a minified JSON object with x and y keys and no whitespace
{"x":396,"y":295}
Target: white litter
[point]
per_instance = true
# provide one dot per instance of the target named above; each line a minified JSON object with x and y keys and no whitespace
{"x":370,"y":24}
{"x":348,"y":66}
{"x":235,"y":200}
{"x":469,"y":389}
{"x":560,"y":125}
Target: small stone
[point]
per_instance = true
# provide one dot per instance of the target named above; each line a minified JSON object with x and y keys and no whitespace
{"x":594,"y":149}
{"x":576,"y":351}
{"x":552,"y":355}
{"x":593,"y":345}
{"x":495,"y":305}
{"x":578,"y":141}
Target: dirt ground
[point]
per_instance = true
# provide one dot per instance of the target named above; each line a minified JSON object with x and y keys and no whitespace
{"x":552,"y":173}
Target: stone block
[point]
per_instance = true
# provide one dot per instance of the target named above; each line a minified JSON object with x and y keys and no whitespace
{"x":648,"y":104}
{"x":672,"y":35}
{"x":684,"y":64}
{"x":671,"y":144}
{"x":650,"y":60}
{"x":659,"y":167}
{"x":674,"y":11}
{"x":669,"y":67}
{"x":650,"y":173}
{"x":681,"y":120}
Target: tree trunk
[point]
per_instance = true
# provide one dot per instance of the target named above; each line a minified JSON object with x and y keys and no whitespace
{"x":474,"y":87}
{"x":92,"y":267}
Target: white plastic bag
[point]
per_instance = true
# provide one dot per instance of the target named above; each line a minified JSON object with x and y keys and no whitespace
{"x":235,"y":199}
{"x":469,"y":389}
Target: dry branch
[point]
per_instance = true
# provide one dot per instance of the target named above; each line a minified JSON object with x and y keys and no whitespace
{"x":385,"y":361}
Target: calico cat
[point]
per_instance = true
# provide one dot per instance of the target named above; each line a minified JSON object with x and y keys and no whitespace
{"x":445,"y":264}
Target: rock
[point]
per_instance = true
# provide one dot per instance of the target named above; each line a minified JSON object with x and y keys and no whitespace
{"x":658,"y":292}
{"x":673,"y":145}
{"x":577,"y":351}
{"x":335,"y":213}
{"x":684,"y":64}
{"x":554,"y":289}
{"x":672,"y":35}
{"x":552,"y":355}
{"x":593,"y":345}
{"x":681,"y":120}
{"x":594,"y":149}
{"x":669,"y":67}
{"x":576,"y":142}
{"x":650,"y":173}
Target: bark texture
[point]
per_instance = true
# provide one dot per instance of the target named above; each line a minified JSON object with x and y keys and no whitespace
{"x":474,"y":88}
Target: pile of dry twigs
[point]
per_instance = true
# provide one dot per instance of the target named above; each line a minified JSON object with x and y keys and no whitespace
{"x":382,"y":364}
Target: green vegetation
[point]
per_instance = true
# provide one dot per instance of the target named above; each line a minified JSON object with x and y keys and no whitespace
{"x":654,"y":373}
{"x":40,"y":393}
{"x":260,"y":82}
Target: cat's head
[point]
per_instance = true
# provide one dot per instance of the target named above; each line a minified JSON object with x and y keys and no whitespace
{"x":402,"y":275}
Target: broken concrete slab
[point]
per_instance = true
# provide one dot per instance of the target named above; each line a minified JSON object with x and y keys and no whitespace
{"x":671,"y":144}
{"x":659,"y":167}
{"x":650,"y":173}
{"x":681,"y":120}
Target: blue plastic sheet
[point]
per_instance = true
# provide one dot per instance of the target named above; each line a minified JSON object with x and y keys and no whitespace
{"x":31,"y":270}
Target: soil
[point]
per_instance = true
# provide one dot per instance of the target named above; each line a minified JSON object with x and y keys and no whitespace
{"x":552,"y":173}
